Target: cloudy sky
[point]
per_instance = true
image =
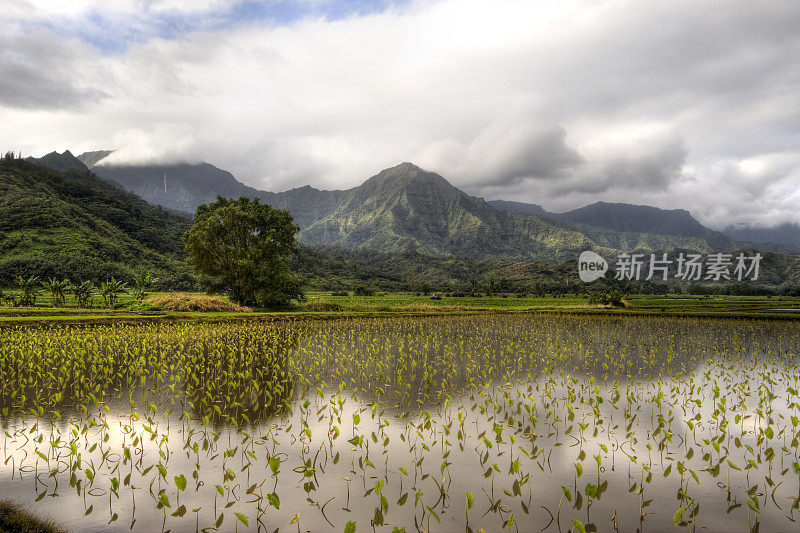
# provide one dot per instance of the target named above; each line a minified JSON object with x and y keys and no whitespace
{"x":692,"y":104}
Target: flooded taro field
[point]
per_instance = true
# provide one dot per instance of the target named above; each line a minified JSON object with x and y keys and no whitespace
{"x":493,"y":422}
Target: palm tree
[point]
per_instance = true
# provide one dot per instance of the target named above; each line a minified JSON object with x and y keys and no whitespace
{"x":30,"y":289}
{"x":83,"y":293}
{"x":143,"y":281}
{"x":58,"y":289}
{"x":110,"y":291}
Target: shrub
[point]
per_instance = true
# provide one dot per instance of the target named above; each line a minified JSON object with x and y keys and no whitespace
{"x":8,"y":299}
{"x":613,"y":298}
{"x":142,"y":282}
{"x":110,"y":291}
{"x":363,"y":290}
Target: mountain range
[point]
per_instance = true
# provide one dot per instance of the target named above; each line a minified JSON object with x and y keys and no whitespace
{"x":72,"y":224}
{"x":400,"y":229}
{"x":406,"y":208}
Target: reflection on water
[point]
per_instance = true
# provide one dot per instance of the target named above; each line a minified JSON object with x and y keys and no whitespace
{"x":432,"y":424}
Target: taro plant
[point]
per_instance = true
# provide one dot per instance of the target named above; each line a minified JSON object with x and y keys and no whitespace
{"x":84,"y":293}
{"x":220,"y":418}
{"x":110,"y":291}
{"x":30,"y":290}
{"x":58,"y":290}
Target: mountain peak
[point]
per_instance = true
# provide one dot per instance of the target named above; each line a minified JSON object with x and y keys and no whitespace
{"x":90,"y":159}
{"x":63,"y":162}
{"x":407,"y":166}
{"x":404,"y":175}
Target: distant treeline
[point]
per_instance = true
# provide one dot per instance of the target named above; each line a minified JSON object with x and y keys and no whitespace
{"x":364,"y":271}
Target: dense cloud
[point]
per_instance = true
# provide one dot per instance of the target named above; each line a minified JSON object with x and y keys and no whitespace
{"x":675,"y":103}
{"x":503,"y":155}
{"x":38,"y":72}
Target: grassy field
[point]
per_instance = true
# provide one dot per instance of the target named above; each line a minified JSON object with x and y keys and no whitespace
{"x":327,"y":305}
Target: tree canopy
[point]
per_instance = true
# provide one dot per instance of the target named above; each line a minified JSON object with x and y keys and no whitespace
{"x":242,"y":247}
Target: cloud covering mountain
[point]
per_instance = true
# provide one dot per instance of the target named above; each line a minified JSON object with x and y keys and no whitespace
{"x":689,"y":104}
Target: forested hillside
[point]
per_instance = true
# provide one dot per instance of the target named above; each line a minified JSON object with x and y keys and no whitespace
{"x":79,"y":226}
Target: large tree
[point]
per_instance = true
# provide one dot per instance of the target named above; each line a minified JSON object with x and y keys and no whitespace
{"x":242,"y":247}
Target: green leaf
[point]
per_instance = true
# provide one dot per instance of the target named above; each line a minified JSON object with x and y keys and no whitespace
{"x":676,"y":518}
{"x":433,"y":513}
{"x":180,"y":482}
{"x":733,"y":466}
{"x":162,"y":498}
{"x":350,"y":527}
{"x":274,"y":500}
{"x":242,"y":518}
{"x":274,"y":464}
{"x":470,"y":500}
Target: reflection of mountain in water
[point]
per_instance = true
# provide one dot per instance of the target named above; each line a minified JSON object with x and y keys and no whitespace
{"x":413,"y":364}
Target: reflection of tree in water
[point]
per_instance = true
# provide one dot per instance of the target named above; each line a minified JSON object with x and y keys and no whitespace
{"x":225,"y":372}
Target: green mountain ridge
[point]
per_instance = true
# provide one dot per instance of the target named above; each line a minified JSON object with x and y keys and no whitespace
{"x":628,"y":226}
{"x":82,"y":227}
{"x":519,"y":207}
{"x":181,"y":187}
{"x":405,"y":208}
